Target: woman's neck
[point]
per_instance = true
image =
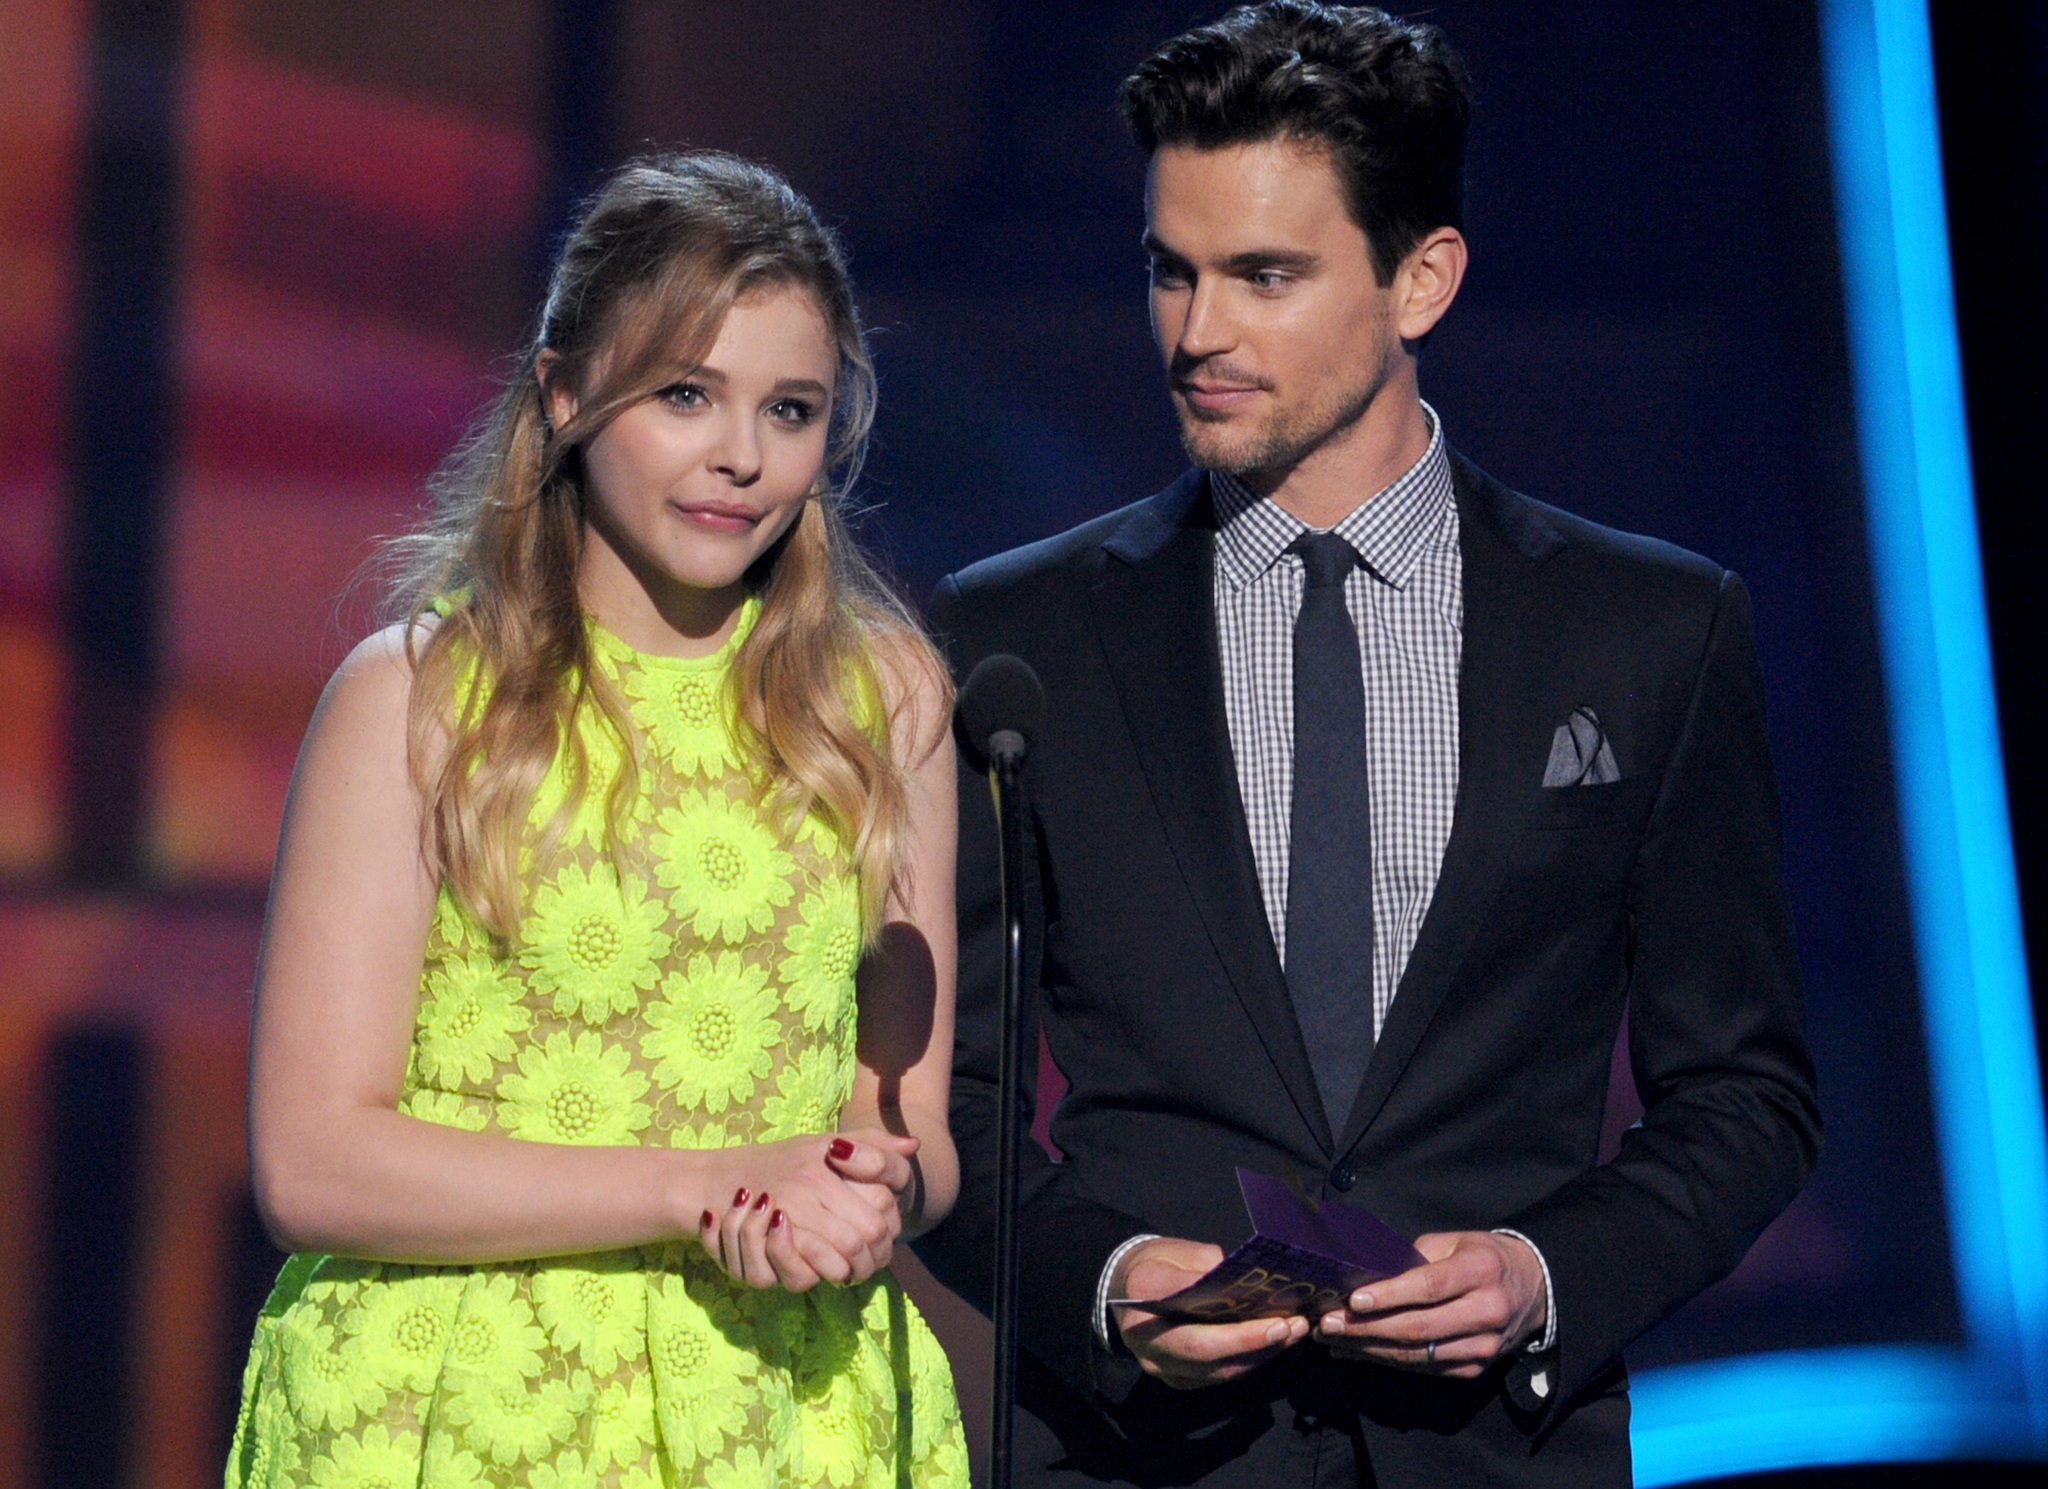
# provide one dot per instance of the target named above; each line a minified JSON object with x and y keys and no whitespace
{"x":651,"y":612}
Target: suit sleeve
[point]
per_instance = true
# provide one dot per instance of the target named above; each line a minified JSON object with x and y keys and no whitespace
{"x":1067,"y":1235}
{"x":1731,"y":1129}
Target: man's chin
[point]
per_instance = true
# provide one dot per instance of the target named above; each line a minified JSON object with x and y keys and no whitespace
{"x":1213,"y":445}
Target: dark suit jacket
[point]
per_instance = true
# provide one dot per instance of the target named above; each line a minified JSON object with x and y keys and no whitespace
{"x":1163,"y":1000}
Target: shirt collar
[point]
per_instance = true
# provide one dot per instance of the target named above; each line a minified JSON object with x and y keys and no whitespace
{"x":1390,"y":531}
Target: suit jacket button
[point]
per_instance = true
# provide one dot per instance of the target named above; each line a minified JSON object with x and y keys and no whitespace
{"x":1342,"y":1177}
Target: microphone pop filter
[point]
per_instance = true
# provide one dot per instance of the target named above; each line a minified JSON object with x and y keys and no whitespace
{"x":1002,"y":707}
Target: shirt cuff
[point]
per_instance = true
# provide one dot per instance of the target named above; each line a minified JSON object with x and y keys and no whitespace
{"x":1102,"y":1287}
{"x":1549,"y":1340}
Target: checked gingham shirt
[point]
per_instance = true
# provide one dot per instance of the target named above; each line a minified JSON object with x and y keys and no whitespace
{"x":1407,"y":603}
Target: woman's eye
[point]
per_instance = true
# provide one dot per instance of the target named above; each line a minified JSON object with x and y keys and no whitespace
{"x":683,"y":396}
{"x":792,"y":411}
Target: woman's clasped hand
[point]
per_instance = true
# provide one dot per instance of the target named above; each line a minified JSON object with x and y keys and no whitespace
{"x":812,"y":1209}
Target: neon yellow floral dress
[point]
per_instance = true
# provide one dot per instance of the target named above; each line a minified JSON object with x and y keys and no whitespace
{"x":697,"y":994}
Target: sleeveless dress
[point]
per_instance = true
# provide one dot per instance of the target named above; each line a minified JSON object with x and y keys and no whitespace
{"x":691,"y":989}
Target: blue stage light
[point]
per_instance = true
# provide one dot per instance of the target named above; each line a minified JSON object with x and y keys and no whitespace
{"x":1989,"y":1398}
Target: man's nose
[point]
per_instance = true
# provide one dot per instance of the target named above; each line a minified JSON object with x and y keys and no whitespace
{"x":1207,"y":329}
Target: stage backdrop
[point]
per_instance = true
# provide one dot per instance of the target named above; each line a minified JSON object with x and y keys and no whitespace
{"x":261,"y":260}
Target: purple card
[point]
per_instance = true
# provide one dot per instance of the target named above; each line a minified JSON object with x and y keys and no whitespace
{"x":1305,"y":1257}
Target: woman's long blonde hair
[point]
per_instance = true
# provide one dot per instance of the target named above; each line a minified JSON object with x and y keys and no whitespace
{"x":502,"y":681}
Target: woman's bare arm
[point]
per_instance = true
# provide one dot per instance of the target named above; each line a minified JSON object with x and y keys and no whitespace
{"x":336,"y":1166}
{"x":903,"y":1082}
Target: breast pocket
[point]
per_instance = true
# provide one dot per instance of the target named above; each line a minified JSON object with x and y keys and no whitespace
{"x":1618,"y":805}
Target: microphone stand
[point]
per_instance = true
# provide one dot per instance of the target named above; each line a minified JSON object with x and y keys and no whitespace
{"x":1006,"y":759}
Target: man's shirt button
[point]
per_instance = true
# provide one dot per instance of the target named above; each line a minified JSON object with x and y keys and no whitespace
{"x":1342,"y":1177}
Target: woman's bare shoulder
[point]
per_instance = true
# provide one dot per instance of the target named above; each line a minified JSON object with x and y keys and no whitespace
{"x":373,"y":686}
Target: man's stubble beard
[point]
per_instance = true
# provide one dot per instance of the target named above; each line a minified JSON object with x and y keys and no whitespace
{"x":1286,"y":439}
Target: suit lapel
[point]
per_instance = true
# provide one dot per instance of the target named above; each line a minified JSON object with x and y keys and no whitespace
{"x":1507,"y":670}
{"x":1155,"y":615}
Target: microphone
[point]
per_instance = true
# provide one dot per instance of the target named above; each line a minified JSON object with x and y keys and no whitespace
{"x":1002,"y":706}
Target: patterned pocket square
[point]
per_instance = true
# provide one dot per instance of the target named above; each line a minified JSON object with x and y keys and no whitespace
{"x":1580,"y":754}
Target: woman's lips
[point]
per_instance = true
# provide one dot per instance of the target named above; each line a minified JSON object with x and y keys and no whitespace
{"x":720,"y":517}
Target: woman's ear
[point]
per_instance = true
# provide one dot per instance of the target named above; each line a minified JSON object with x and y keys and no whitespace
{"x":557,"y":394}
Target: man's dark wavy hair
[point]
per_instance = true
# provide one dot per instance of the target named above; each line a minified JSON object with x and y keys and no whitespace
{"x":1388,"y":97}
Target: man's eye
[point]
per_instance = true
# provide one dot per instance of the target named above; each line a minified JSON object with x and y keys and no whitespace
{"x":1166,"y":275}
{"x":1271,"y":279}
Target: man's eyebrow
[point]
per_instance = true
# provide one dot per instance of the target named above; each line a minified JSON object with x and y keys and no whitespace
{"x":1157,"y":247}
{"x":1254,"y":259}
{"x":1250,"y":261}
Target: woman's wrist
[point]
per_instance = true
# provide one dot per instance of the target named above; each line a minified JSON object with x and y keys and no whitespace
{"x":697,"y":1195}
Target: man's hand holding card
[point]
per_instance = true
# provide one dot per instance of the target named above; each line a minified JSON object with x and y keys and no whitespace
{"x":1447,"y":1305}
{"x":1479,"y":1296}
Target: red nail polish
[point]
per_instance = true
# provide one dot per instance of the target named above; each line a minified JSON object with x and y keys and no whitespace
{"x":841,"y":1149}
{"x":708,"y":1221}
{"x":762,"y":1202}
{"x":740,"y":1197}
{"x":775,"y":1221}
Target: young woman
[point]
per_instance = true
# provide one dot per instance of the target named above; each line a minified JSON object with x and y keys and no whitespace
{"x":558,"y":1091}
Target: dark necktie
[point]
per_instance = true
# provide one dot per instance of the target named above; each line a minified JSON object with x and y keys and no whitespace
{"x":1329,"y":845}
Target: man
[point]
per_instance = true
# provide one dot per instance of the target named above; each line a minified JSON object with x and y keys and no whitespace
{"x":1370,"y":792}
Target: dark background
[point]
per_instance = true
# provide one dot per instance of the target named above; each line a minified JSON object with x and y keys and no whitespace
{"x":258,"y":262}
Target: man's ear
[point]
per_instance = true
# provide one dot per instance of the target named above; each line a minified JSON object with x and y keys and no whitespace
{"x":1427,"y":282}
{"x":557,"y":390}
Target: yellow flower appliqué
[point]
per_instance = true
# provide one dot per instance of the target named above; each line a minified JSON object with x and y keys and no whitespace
{"x":728,"y":872}
{"x":808,"y":1095}
{"x":744,"y":1468}
{"x":565,"y":1470}
{"x":622,"y":1423}
{"x":510,"y":1420}
{"x":712,"y":1031}
{"x":595,"y":941}
{"x":837,"y":1441}
{"x":446,"y":1108}
{"x":452,"y":1466}
{"x":700,"y":1383}
{"x":709,"y":1135}
{"x":455,"y":929}
{"x":823,"y":953}
{"x":404,"y":1326}
{"x":597,"y":1309}
{"x":934,"y":1411}
{"x":494,"y":1330}
{"x":683,"y":711}
{"x":374,"y":1460}
{"x":468,"y":1018}
{"x":326,"y":1378}
{"x":574,"y":1089}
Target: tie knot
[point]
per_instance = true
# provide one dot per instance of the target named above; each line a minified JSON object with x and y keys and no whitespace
{"x":1326,"y":558}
